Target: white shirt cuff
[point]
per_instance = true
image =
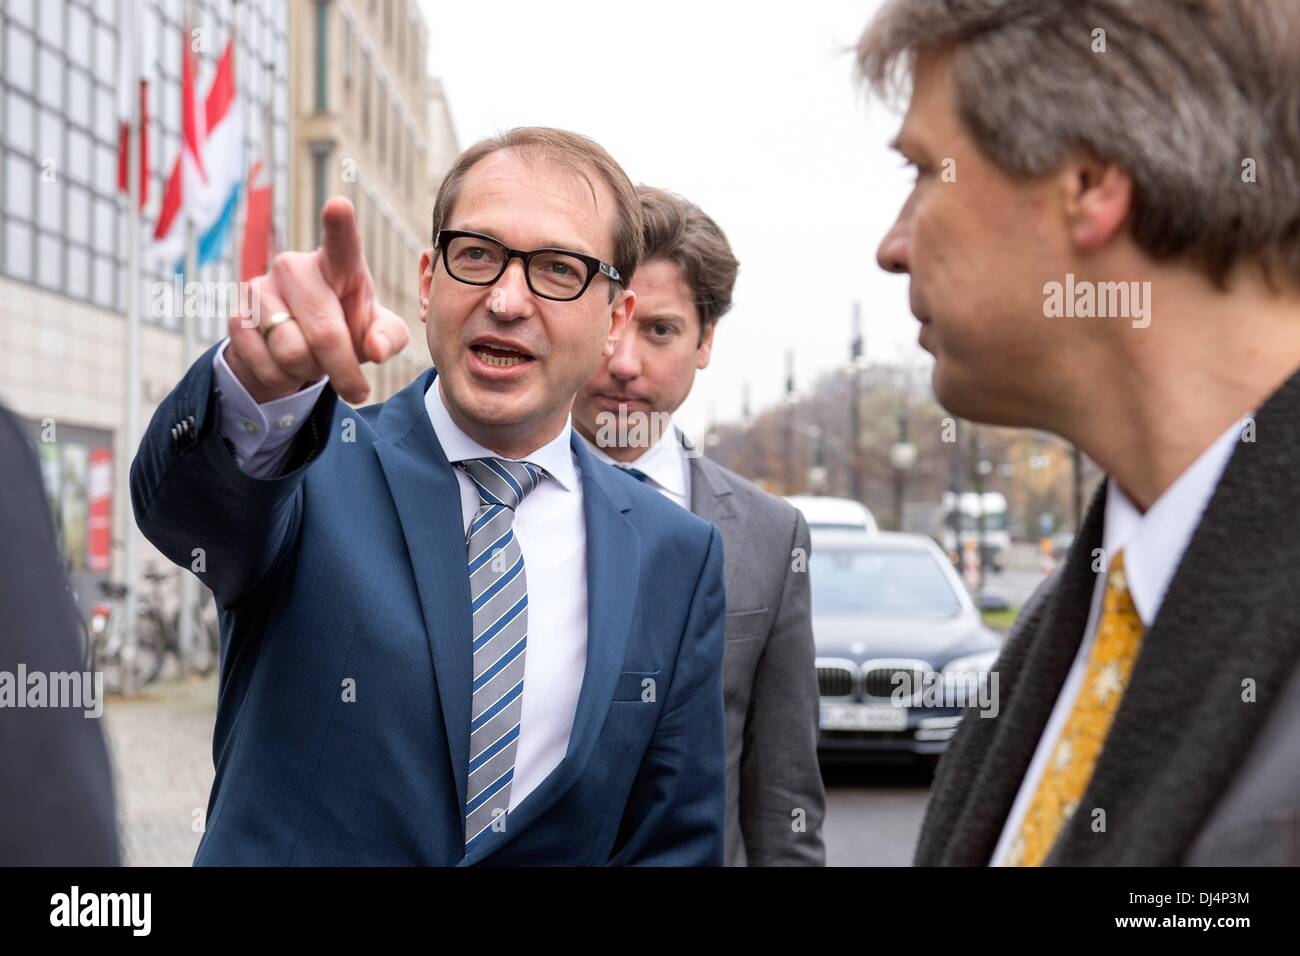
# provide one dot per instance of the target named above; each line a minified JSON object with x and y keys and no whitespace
{"x":262,"y":434}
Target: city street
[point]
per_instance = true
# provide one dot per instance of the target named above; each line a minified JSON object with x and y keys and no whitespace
{"x":160,"y":742}
{"x":873,"y":814}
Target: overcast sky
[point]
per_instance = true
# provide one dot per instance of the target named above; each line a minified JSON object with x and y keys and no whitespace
{"x":748,"y":109}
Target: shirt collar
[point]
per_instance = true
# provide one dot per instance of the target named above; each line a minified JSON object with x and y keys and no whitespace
{"x":663,"y":462}
{"x":556,"y":456}
{"x":1154,"y":542}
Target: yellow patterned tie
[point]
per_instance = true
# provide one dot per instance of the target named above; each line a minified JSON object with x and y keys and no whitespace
{"x":1068,"y":770}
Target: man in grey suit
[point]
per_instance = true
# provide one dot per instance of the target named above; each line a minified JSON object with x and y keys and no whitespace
{"x":774,"y":796}
{"x":1087,"y":260}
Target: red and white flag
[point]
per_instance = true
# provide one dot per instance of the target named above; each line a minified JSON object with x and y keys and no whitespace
{"x":189,"y":195}
{"x":135,"y":66}
{"x":258,"y":246}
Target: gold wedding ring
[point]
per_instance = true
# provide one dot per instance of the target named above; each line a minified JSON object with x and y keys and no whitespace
{"x":277,"y":318}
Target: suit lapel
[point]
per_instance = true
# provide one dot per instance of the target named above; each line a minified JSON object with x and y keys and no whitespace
{"x":1226,"y":626}
{"x":427,"y":498}
{"x":613,"y":573}
{"x":711,"y":496}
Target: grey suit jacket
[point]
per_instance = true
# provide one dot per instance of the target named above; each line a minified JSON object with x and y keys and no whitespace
{"x":1202,"y":762}
{"x":775,"y":799}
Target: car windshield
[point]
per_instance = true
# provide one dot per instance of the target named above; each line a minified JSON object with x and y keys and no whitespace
{"x":880,"y":581}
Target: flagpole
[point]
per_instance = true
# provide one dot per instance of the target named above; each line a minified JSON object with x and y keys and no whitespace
{"x":131,"y":435}
{"x":185,"y":613}
{"x":241,"y":206}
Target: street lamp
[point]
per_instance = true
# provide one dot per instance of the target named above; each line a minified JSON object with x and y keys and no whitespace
{"x":857,"y":360}
{"x":902,"y":455}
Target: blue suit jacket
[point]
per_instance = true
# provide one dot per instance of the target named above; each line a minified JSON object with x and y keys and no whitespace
{"x":350,"y":571}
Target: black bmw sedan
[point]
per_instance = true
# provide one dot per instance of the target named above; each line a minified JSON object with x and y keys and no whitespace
{"x":901,"y":649}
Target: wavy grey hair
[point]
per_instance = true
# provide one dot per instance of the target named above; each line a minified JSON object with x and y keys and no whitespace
{"x":1193,"y":98}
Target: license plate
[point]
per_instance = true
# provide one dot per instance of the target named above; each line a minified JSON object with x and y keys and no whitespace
{"x":863,"y":717}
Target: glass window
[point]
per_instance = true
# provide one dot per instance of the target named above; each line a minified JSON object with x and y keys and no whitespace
{"x":78,"y":283}
{"x":171,"y":51}
{"x":18,"y":249}
{"x":50,"y":145}
{"x":79,"y":38}
{"x":49,"y":86}
{"x":78,"y":214}
{"x":880,"y":582}
{"x":18,"y":58}
{"x":79,"y":156}
{"x":105,"y":272}
{"x":382,"y":136}
{"x":79,"y":97}
{"x":106,"y":170}
{"x":397,"y":149}
{"x":20,"y":10}
{"x":365,"y":97}
{"x":347,"y":54}
{"x":105,"y":222}
{"x":106,"y":114}
{"x":50,"y":205}
{"x":19,"y":121}
{"x":171,"y":108}
{"x":322,"y":54}
{"x":18,"y":186}
{"x":49,"y":261}
{"x":52,"y":22}
{"x":105,"y":53}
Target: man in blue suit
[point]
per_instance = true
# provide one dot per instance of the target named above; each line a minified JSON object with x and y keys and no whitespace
{"x":449,"y":634}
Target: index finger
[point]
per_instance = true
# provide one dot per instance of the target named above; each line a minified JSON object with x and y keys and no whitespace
{"x":309,"y":299}
{"x":341,"y":261}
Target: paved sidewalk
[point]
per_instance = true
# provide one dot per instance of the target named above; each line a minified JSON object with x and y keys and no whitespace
{"x":160,"y":742}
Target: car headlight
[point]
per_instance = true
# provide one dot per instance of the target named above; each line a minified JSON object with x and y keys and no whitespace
{"x":963,"y":676}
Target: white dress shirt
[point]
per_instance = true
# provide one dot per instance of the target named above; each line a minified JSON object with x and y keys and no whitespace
{"x":664,"y":463}
{"x":549,"y":525}
{"x":1153,"y":545}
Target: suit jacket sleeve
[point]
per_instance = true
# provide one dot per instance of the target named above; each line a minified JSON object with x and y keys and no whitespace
{"x":188,"y":492}
{"x":779,"y":773}
{"x":675,"y":813}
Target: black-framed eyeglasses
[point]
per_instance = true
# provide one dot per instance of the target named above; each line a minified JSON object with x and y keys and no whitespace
{"x":558,"y":274}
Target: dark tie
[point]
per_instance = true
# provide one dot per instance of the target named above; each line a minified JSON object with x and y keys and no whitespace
{"x":636,"y":473}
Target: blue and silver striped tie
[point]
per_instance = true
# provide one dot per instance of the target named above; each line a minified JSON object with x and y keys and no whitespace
{"x":499,"y":598}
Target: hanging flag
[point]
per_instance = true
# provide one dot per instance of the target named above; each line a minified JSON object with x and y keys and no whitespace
{"x":135,"y":66}
{"x":185,"y":184}
{"x":206,"y":181}
{"x":223,"y":155}
{"x":258,"y":246}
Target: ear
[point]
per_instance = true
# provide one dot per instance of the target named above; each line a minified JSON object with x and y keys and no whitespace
{"x":1098,"y":200}
{"x":620,"y":314}
{"x":427,"y":262}
{"x":705,"y":348}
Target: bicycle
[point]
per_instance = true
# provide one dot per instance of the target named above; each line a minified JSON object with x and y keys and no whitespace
{"x":157,"y":636}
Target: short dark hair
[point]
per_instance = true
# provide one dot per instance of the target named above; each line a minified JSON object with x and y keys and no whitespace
{"x":680,"y":232}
